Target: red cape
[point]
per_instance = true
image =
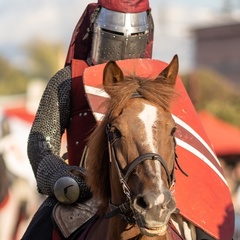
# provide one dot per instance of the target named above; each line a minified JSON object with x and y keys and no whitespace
{"x":203,"y":197}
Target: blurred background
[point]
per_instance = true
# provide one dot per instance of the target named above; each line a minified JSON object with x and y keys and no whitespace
{"x":34,"y":37}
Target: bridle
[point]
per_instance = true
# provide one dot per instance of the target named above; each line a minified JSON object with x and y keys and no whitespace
{"x":126,"y":210}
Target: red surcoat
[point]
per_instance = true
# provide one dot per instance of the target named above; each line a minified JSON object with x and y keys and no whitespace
{"x":82,"y":120}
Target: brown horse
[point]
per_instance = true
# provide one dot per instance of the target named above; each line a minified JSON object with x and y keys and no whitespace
{"x":131,"y":157}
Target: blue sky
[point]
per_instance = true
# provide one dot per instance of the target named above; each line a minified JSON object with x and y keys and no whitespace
{"x":22,"y":21}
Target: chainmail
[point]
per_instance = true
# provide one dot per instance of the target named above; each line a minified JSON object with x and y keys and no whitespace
{"x":44,"y":141}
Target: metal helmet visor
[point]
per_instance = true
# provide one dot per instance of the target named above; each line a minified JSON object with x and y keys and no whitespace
{"x":119,"y":36}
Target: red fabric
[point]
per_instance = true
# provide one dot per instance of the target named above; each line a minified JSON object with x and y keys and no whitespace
{"x":20,"y":112}
{"x":56,"y":235}
{"x":80,"y":48}
{"x":224,"y":137}
{"x":126,"y":6}
{"x":82,"y":120}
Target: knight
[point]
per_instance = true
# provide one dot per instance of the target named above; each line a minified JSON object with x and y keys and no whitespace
{"x":107,"y":30}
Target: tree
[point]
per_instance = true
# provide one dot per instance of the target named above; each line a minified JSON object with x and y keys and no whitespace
{"x":12,"y":79}
{"x":210,"y":91}
{"x":45,"y":58}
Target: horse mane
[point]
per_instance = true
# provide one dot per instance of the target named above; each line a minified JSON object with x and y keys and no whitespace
{"x":98,"y":158}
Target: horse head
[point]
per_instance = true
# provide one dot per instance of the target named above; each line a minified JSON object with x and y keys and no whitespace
{"x":139,"y":134}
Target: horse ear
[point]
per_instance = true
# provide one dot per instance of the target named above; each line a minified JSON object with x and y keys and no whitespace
{"x":112,"y":74}
{"x":169,"y":74}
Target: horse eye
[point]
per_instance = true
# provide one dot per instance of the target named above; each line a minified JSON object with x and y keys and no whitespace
{"x":116,"y":133}
{"x":173,"y":131}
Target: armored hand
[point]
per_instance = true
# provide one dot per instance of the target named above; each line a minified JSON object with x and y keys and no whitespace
{"x":66,"y":190}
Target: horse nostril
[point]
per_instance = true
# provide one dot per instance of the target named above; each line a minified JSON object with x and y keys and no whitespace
{"x":141,"y":202}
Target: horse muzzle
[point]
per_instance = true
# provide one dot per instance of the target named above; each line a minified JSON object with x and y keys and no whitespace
{"x":152,"y":212}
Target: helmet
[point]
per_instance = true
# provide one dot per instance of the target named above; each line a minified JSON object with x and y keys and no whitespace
{"x":118,"y":35}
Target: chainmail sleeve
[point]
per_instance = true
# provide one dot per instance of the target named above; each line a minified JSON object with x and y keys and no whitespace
{"x":44,"y":141}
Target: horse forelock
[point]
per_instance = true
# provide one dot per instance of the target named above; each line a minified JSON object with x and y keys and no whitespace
{"x":154,"y":91}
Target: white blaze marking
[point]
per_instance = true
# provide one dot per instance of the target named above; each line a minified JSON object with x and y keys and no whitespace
{"x":148,"y":117}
